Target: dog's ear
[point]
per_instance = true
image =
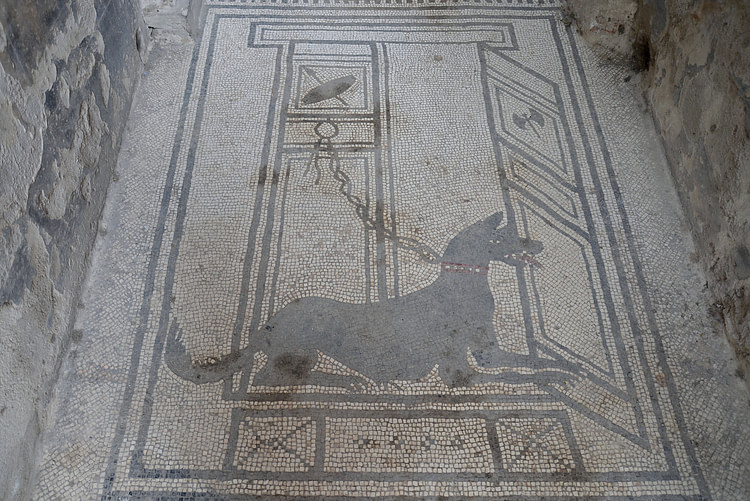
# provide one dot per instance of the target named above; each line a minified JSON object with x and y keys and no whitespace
{"x":494,"y":220}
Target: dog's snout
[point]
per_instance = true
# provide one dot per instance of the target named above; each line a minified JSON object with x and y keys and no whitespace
{"x":531,"y":246}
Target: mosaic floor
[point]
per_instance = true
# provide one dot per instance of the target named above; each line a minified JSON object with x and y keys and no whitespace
{"x":395,"y":249}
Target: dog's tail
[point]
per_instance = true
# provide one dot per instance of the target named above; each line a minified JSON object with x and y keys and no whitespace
{"x":210,"y":370}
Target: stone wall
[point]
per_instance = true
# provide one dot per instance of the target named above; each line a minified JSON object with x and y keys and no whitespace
{"x":67,"y":74}
{"x":695,"y":61}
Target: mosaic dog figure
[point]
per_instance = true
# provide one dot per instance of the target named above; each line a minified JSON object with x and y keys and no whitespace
{"x":401,"y":339}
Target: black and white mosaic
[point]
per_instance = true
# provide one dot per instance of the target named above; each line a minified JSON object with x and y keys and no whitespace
{"x":388,"y":256}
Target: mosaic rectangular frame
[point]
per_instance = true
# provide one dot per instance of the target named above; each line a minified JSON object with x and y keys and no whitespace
{"x":571,"y":109}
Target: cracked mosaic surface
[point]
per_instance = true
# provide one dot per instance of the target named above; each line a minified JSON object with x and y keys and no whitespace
{"x":383,"y":250}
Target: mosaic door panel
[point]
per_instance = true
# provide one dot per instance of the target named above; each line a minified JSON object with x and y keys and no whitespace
{"x":417,"y":278}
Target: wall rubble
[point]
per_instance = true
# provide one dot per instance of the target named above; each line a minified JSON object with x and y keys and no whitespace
{"x":67,"y":73}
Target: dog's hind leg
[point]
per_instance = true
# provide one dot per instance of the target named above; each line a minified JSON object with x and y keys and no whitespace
{"x":298,"y":367}
{"x":289,"y":368}
{"x":457,"y":374}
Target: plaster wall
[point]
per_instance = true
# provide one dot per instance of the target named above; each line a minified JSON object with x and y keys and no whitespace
{"x":694,"y":59}
{"x":67,"y":74}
